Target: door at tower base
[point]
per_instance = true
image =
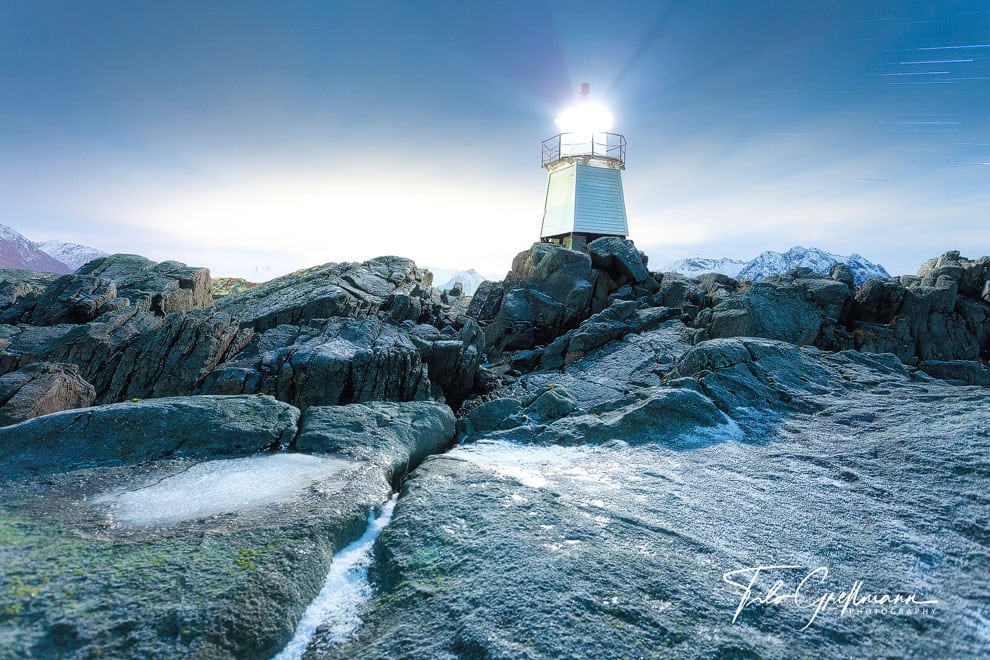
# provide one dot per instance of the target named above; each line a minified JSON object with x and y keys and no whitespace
{"x":584,"y":199}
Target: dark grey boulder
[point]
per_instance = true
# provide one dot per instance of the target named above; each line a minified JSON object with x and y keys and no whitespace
{"x":134,"y":353}
{"x":398,"y":436}
{"x":486,"y":301}
{"x":160,"y":288}
{"x":791,"y":310}
{"x":351,"y":290}
{"x":343,"y":361}
{"x":497,"y":414}
{"x":619,"y":258}
{"x":675,"y":418}
{"x":936,"y":316}
{"x":136,"y":431}
{"x":42,"y":388}
{"x":69,"y":299}
{"x":968,"y":372}
{"x":843,"y":273}
{"x":16,"y":283}
{"x":547,"y":292}
{"x":554,"y":402}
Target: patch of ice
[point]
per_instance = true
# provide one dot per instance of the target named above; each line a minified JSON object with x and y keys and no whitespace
{"x":335,"y":608}
{"x":219,"y":486}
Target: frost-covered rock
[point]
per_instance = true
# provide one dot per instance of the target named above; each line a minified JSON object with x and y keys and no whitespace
{"x":136,"y":431}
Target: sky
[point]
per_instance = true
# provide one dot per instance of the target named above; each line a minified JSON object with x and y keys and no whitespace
{"x":256,"y":138}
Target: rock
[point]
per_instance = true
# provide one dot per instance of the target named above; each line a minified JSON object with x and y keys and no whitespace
{"x":678,"y":292}
{"x":925,"y":318}
{"x":136,"y":431}
{"x":134,"y":353}
{"x":606,"y":326}
{"x":492,"y":415}
{"x":398,"y":436}
{"x":547,"y":292}
{"x":669,"y":417}
{"x":344,"y":361}
{"x":486,"y":301}
{"x":630,"y":533}
{"x":619,"y":258}
{"x":69,"y":299}
{"x":228,"y":286}
{"x":452,"y":361}
{"x":553,"y":403}
{"x":42,"y":388}
{"x":756,"y":374}
{"x":791,"y":310}
{"x":233,"y":577}
{"x":353,"y":361}
{"x":334,"y":290}
{"x":968,"y":372}
{"x":16,"y":283}
{"x":160,"y":288}
{"x":843,"y":273}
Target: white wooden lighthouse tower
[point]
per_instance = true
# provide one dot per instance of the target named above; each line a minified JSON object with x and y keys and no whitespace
{"x":584,"y":188}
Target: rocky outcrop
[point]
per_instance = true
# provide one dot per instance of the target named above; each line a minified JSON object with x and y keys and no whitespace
{"x":397,"y":340}
{"x":962,"y":372}
{"x":397,"y":436}
{"x":353,"y":290}
{"x":547,"y":291}
{"x":226,"y":286}
{"x":799,"y":309}
{"x":68,"y":299}
{"x":41,"y":388}
{"x":939,"y":315}
{"x":160,"y":288}
{"x":136,"y":431}
{"x":551,"y":290}
{"x":353,"y":361}
{"x":343,"y":361}
{"x":186,"y":557}
{"x":620,"y":259}
{"x":16,"y":284}
{"x":133,"y":353}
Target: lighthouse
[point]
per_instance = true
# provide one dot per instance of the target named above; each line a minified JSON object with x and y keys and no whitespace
{"x":584,"y":163}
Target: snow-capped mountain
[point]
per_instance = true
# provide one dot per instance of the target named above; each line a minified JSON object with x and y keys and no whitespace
{"x":468,"y":279}
{"x":775,"y":263}
{"x":72,"y":255}
{"x":16,"y":251}
{"x":694,"y":266}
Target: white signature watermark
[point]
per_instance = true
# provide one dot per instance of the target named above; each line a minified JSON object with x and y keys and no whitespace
{"x":808,"y":594}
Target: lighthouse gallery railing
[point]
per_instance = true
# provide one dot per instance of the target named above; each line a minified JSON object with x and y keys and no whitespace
{"x":605,"y":146}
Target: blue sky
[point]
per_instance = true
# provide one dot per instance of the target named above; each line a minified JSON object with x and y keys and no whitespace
{"x":260,"y":137}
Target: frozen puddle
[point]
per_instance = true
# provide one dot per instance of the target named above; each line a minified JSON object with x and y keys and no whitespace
{"x":336,"y":607}
{"x":220,"y":486}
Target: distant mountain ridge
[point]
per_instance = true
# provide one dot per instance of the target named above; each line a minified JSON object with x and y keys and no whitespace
{"x":769,"y":263}
{"x":468,"y":279}
{"x":694,"y":266}
{"x":72,"y":255}
{"x":17,"y":251}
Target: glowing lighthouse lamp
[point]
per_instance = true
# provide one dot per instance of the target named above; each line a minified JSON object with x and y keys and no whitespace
{"x":584,"y":188}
